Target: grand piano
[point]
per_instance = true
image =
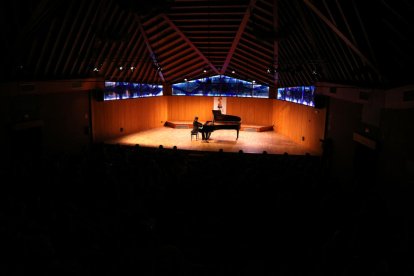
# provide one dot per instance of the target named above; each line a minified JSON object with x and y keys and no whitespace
{"x":222,"y":121}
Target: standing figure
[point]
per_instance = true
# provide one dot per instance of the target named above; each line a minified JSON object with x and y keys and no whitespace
{"x":219,"y":105}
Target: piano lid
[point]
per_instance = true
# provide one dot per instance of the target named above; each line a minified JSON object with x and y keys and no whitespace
{"x":219,"y":117}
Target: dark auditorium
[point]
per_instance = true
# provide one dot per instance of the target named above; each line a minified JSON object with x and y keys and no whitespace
{"x":300,"y":162}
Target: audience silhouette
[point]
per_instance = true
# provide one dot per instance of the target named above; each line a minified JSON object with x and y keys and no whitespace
{"x":117,"y":209}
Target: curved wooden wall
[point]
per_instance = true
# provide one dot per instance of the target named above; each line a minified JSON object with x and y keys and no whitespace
{"x":292,"y":120}
{"x":185,"y":108}
{"x":252,"y":111}
{"x":296,"y":121}
{"x":108,"y":117}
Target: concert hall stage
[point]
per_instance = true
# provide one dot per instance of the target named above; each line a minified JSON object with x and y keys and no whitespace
{"x":243,"y":127}
{"x":256,"y":141}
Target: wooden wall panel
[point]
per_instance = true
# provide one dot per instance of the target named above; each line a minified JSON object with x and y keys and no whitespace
{"x":252,"y":111}
{"x":296,"y":121}
{"x":292,"y":120}
{"x":66,"y":121}
{"x":184,"y":108}
{"x":132,"y":115}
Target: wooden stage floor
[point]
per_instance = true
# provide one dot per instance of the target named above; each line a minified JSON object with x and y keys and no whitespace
{"x":248,"y":142}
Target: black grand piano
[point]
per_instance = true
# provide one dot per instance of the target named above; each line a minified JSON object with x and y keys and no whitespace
{"x":221,"y":121}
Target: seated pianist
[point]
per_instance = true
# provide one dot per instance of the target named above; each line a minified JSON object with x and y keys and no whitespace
{"x":198,"y":127}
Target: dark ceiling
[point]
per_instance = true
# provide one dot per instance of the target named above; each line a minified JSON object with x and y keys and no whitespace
{"x":274,"y":42}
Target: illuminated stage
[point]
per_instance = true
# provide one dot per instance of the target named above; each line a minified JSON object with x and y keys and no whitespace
{"x":248,"y":142}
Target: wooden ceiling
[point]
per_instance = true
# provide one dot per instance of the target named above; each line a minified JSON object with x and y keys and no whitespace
{"x":274,"y":42}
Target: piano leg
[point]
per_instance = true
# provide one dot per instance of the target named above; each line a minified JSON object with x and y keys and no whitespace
{"x":205,"y":135}
{"x":237,"y":135}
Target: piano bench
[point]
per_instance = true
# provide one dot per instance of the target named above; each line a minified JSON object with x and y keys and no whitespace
{"x":194,"y":133}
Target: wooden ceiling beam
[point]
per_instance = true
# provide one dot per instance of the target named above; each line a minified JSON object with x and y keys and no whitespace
{"x":364,"y":31}
{"x":181,"y":60}
{"x":83,"y":68}
{"x":122,"y":48}
{"x":188,"y":72}
{"x":239,"y":33}
{"x":207,"y":14}
{"x":58,"y":38}
{"x":88,"y":36}
{"x":45,"y":44}
{"x":252,"y":72}
{"x":341,"y":36}
{"x":275,"y":43}
{"x":185,"y":38}
{"x":78,"y":34}
{"x":68,"y":38}
{"x":129,"y":54}
{"x":172,"y":57}
{"x":149,"y":48}
{"x":105,"y":55}
{"x":140,"y":52}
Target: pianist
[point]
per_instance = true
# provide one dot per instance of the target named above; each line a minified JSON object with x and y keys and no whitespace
{"x":197,"y":127}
